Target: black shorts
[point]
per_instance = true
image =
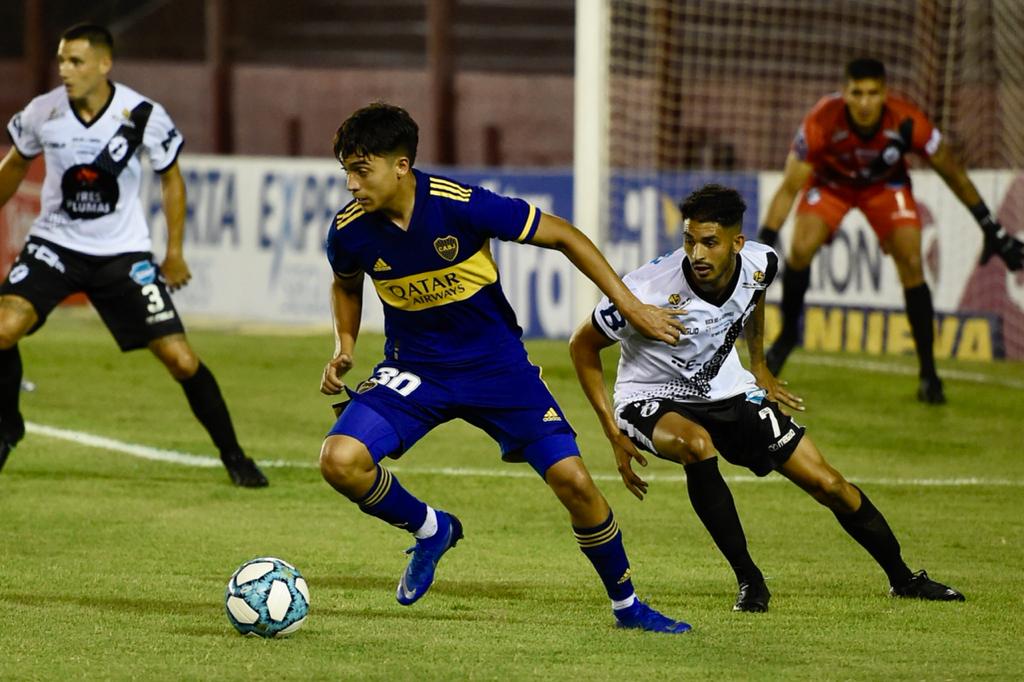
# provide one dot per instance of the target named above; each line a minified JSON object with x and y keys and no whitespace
{"x":750,"y":432}
{"x":126,"y":289}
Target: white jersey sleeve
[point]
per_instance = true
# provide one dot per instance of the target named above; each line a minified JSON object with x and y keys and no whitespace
{"x":162,"y":140}
{"x":609,"y":321}
{"x":23,"y":130}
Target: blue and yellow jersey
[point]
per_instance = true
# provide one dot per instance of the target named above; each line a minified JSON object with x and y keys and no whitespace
{"x":439,"y":284}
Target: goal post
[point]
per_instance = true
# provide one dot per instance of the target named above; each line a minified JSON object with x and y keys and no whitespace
{"x":671,"y":94}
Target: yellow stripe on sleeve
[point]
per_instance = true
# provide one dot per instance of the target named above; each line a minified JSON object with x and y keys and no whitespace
{"x":529,"y":223}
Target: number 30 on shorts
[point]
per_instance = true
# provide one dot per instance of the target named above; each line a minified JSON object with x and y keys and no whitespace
{"x":402,"y":382}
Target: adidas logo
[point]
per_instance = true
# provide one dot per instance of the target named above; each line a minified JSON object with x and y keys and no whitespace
{"x":381,"y":266}
{"x":551,"y":415}
{"x":625,"y":576}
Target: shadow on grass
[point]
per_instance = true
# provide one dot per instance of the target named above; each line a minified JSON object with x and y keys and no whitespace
{"x":121,"y":604}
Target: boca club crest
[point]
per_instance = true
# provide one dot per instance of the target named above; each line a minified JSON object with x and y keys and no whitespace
{"x":447,"y":247}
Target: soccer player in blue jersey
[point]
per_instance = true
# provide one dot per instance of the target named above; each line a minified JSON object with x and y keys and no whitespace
{"x":453,"y":348}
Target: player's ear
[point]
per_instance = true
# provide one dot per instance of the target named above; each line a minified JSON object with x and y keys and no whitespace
{"x":738,"y":241}
{"x":402,"y":167}
{"x":106,"y":60}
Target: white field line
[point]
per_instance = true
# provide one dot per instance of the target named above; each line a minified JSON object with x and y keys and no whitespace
{"x":894,"y":368}
{"x":507,"y":471}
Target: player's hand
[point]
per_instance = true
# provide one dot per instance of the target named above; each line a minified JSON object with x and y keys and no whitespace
{"x":777,"y":391}
{"x":174,"y":271}
{"x":660,"y":324}
{"x":625,"y":453}
{"x":999,"y":242}
{"x":331,"y":383}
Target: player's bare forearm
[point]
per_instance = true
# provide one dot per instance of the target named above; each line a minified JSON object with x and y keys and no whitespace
{"x":555,"y":233}
{"x":796,"y":175}
{"x":347,"y":310}
{"x":172,"y":191}
{"x":954,"y":175}
{"x":754,"y":335}
{"x":13,"y":169}
{"x":585,"y":350}
{"x":651,"y":321}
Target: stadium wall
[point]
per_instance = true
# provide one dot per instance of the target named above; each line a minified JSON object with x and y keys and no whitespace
{"x":500,"y":118}
{"x":256,"y":226}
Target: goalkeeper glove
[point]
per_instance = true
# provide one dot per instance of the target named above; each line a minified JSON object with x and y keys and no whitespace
{"x":768,"y":236}
{"x":998,"y":242}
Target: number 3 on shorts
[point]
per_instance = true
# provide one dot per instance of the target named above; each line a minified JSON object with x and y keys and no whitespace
{"x":156,"y":301}
{"x":766,"y":413}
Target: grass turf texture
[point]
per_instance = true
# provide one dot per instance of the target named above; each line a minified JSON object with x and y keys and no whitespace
{"x":114,"y":567}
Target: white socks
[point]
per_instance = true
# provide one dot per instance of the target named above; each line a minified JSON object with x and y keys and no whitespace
{"x":429,"y":526}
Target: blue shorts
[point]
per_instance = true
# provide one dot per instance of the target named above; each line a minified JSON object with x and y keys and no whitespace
{"x":400,"y":404}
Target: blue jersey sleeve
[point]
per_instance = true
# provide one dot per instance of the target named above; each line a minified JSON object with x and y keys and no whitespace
{"x":503,"y":217}
{"x":343,"y":262}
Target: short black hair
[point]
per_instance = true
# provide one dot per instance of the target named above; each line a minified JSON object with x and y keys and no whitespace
{"x":714,"y":204}
{"x":378,"y":129}
{"x":865,"y":67}
{"x":96,"y":35}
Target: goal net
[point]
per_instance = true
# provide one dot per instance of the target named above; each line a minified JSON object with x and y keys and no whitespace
{"x":713,"y":90}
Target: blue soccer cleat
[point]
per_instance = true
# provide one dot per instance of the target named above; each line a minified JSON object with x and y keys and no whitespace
{"x":640,"y":616}
{"x":419,"y":574}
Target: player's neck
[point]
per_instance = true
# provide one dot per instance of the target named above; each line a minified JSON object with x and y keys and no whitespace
{"x":93,"y":103}
{"x":399,"y":209}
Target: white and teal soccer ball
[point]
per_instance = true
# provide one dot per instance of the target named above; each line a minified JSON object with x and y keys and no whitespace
{"x":267,"y":597}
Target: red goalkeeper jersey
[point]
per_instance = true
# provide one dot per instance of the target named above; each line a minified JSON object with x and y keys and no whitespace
{"x":841,"y":156}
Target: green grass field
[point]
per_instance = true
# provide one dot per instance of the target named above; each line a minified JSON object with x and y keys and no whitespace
{"x":113,"y":567}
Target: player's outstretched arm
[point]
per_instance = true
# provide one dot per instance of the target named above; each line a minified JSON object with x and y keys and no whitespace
{"x":13,"y":169}
{"x":585,"y":349}
{"x":347,"y":311}
{"x":174,"y":270}
{"x":754,"y":335}
{"x":998,"y":242}
{"x":653,"y":322}
{"x":797,"y":173}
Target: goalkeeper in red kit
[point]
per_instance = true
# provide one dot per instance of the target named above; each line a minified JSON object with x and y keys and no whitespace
{"x":849,"y":153}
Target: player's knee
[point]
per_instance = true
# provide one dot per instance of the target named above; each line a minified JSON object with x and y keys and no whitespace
{"x":800,"y":256}
{"x":832,"y":490}
{"x":8,"y":338}
{"x":344,"y":463}
{"x":688,"y":450}
{"x":182,"y":364}
{"x":574,"y":487}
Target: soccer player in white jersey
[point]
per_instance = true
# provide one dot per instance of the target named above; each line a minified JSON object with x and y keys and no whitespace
{"x":91,"y":236}
{"x":685,"y":402}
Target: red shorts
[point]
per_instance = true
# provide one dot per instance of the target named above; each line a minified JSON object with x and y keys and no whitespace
{"x":885,"y":206}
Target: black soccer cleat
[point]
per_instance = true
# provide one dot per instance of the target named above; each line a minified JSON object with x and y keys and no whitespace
{"x":920,"y":586}
{"x":5,"y":450}
{"x":776,"y":356}
{"x":11,"y":432}
{"x":752,"y":598}
{"x":930,"y":391}
{"x":244,"y":472}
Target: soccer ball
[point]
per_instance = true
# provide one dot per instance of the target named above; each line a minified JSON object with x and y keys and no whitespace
{"x":267,"y":597}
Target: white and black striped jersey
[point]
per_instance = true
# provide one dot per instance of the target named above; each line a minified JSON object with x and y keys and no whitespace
{"x":90,"y":198}
{"x":704,"y":366}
